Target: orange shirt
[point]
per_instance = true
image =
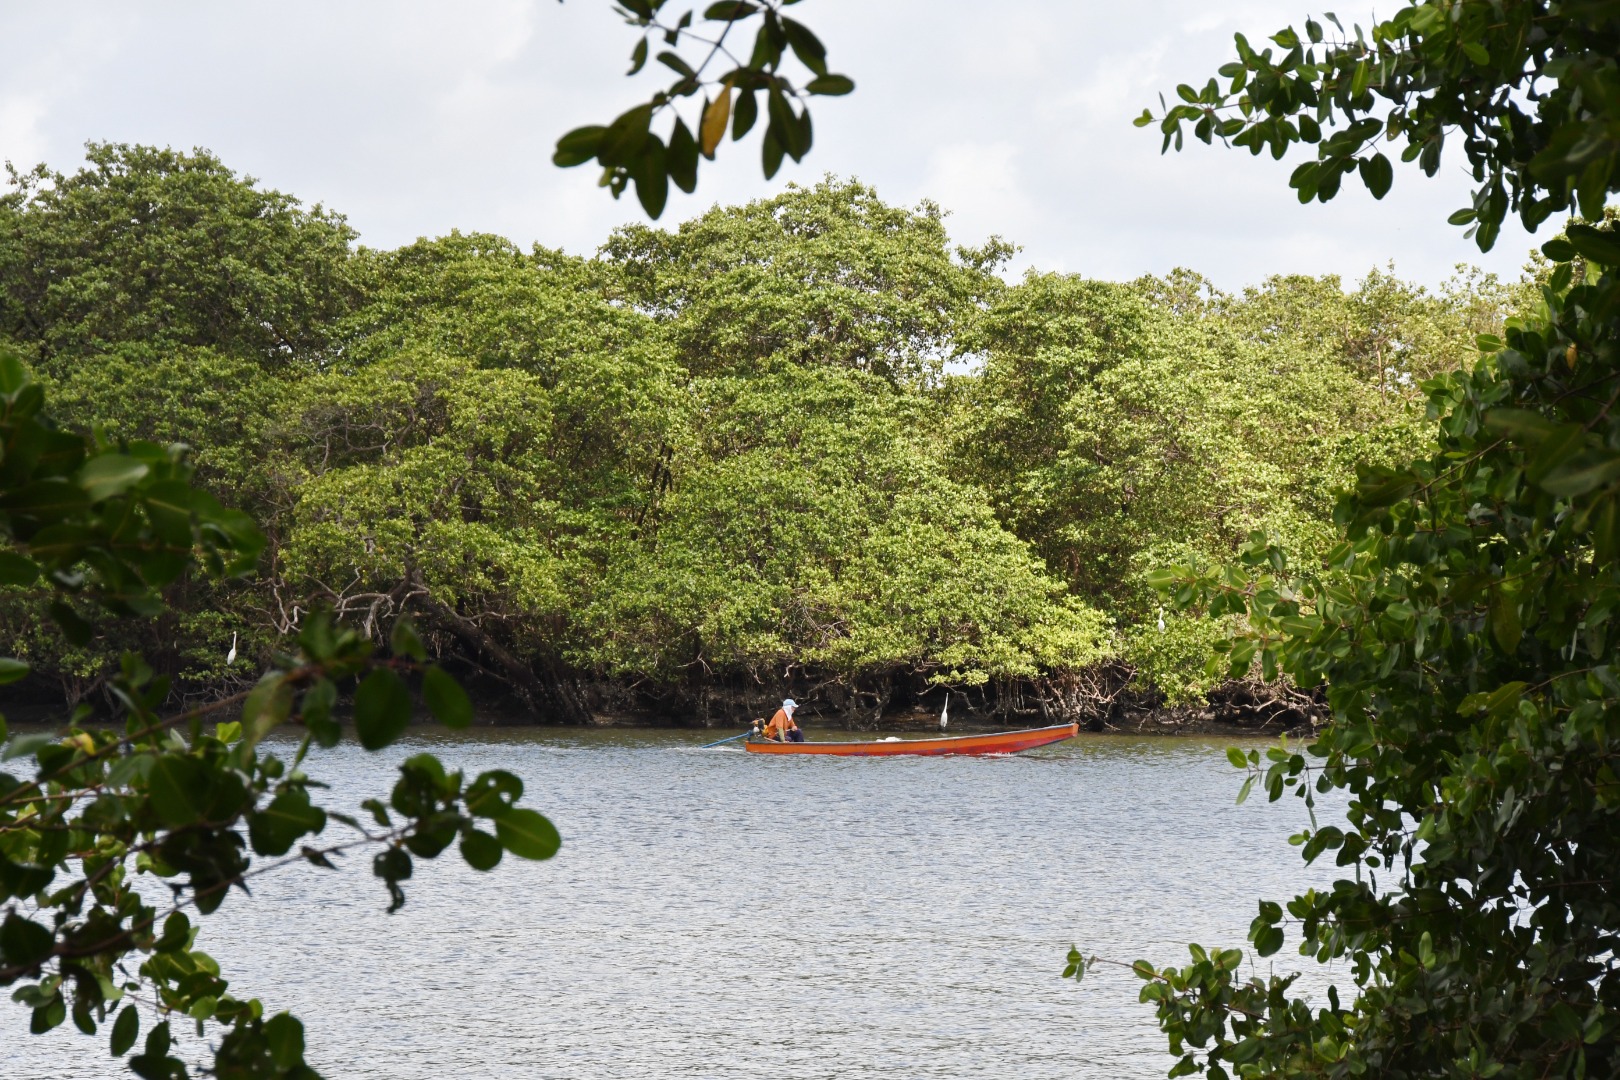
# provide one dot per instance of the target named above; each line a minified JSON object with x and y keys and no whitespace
{"x":780,"y":725}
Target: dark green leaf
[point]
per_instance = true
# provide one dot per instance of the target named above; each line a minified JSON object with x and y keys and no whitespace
{"x":379,"y":812}
{"x":316,"y":857}
{"x":403,"y":641}
{"x":48,"y":1015}
{"x":622,"y":143}
{"x":1595,"y":245}
{"x":729,"y":10}
{"x":682,"y":157}
{"x":1377,"y":174}
{"x":393,"y":866}
{"x":493,"y":793}
{"x":267,"y":705}
{"x":651,"y":174}
{"x":285,"y":1036}
{"x":743,"y":113}
{"x":316,"y":710}
{"x":527,"y":834}
{"x":806,"y":46}
{"x":14,"y":375}
{"x":179,"y":787}
{"x":1557,"y":447}
{"x":25,"y":943}
{"x":289,"y":817}
{"x":176,"y":933}
{"x":107,"y":475}
{"x":23,"y":879}
{"x":675,"y":63}
{"x":125,"y":1029}
{"x":1521,"y":425}
{"x":46,"y":500}
{"x":445,"y":697}
{"x":784,"y":124}
{"x":1583,"y":474}
{"x":154,"y":1062}
{"x":382,"y":709}
{"x":1558,"y":250}
{"x":17,"y":569}
{"x":771,"y":152}
{"x":481,"y":850}
{"x":71,"y":623}
{"x":11,"y":670}
{"x":838,"y":85}
{"x":1506,"y":627}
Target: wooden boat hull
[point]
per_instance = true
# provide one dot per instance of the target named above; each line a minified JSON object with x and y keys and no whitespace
{"x":999,"y":742}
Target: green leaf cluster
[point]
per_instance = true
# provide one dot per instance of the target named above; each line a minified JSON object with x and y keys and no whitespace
{"x":191,"y":798}
{"x":1526,"y":89}
{"x":1461,"y":623}
{"x":1120,"y":427}
{"x":803,"y":433}
{"x":630,"y":152}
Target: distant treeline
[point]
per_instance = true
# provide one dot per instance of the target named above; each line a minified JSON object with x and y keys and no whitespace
{"x":804,"y":442}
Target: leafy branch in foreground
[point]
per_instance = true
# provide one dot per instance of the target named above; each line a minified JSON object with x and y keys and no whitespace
{"x":1464,"y":629}
{"x":1530,"y":88}
{"x":1463,"y":626}
{"x":190,"y":799}
{"x":630,"y":152}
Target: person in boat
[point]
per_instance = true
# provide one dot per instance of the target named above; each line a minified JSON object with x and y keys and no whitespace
{"x":781,"y":728}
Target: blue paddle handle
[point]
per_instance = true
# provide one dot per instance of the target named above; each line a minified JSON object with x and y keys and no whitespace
{"x":734,"y":738}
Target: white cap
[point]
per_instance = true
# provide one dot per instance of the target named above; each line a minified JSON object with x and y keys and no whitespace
{"x":790,"y":704}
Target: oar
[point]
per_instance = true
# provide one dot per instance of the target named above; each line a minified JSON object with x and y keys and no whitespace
{"x":734,"y":738}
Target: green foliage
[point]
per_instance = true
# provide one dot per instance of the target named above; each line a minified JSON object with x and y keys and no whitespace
{"x":1461,"y":624}
{"x":828,"y":275}
{"x":1462,"y":630}
{"x":545,"y":474}
{"x":564,"y":468}
{"x":166,"y":300}
{"x":156,"y":249}
{"x":191,"y":798}
{"x":630,"y":152}
{"x":1530,"y":87}
{"x":817,"y":527}
{"x":1120,"y":427}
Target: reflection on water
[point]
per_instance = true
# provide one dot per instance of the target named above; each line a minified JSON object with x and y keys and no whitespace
{"x":720,"y":914}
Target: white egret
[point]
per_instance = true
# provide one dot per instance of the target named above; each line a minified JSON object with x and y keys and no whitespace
{"x":945,"y":713}
{"x":230,"y":657}
{"x":1161,"y":620}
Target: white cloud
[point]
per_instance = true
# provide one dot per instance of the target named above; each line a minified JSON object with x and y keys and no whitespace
{"x":418,"y":116}
{"x":21,"y":140}
{"x":981,"y":186}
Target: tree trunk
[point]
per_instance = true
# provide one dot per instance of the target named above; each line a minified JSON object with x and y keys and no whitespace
{"x":559,"y":701}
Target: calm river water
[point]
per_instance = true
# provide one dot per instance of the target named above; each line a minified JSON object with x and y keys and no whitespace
{"x":718,"y":914}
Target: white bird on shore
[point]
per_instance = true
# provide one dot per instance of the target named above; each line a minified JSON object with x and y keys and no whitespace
{"x":945,"y":713}
{"x":230,"y":657}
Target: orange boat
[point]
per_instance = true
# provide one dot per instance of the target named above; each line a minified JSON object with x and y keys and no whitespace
{"x":999,"y":742}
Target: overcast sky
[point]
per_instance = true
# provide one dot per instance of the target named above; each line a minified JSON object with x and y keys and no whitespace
{"x":414,"y":118}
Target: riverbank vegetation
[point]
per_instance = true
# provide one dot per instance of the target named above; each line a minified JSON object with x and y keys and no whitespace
{"x":803,"y":442}
{"x":807,"y":440}
{"x":1461,"y":624}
